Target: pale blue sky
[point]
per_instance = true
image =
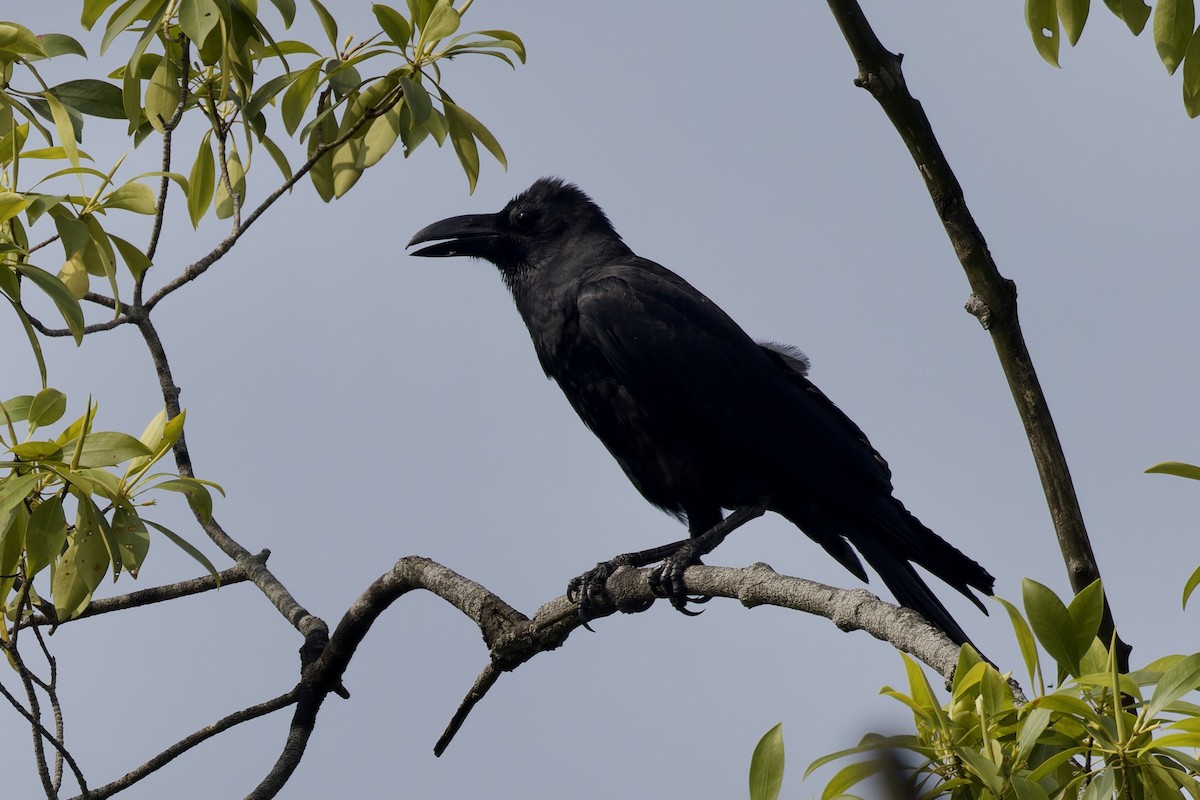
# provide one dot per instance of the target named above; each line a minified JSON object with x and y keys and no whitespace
{"x":359,"y":405}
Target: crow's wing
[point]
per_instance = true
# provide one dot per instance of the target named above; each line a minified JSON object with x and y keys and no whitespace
{"x":679,"y":355}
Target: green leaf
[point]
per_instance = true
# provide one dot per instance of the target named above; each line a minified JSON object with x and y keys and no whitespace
{"x":1191,"y":78}
{"x":1135,"y":13}
{"x":1174,"y":24}
{"x":1100,"y":787}
{"x":1025,"y":639}
{"x":1032,"y":725}
{"x":197,"y":495}
{"x":1177,"y":468}
{"x":133,"y":256}
{"x":287,"y":10}
{"x":45,"y":535}
{"x":1051,"y":624}
{"x":64,"y":127}
{"x":93,"y":10}
{"x":124,"y":18}
{"x":766,"y":765}
{"x":93,"y":97}
{"x":133,"y":196}
{"x":13,"y":526}
{"x":1175,"y":683}
{"x":47,"y":407}
{"x":201,"y":181}
{"x":1042,"y":18}
{"x":463,"y":142}
{"x":81,"y":567}
{"x":393,"y":24}
{"x":1086,"y":610}
{"x":37,"y":451}
{"x":417,"y":100}
{"x":443,"y":21}
{"x":298,"y":96}
{"x":186,"y":547}
{"x":327,"y":22}
{"x":132,"y":539}
{"x":67,"y":305}
{"x":162,"y":93}
{"x":14,"y":490}
{"x":1192,"y":583}
{"x":59,"y":44}
{"x":850,"y":775}
{"x":1073,"y":14}
{"x":476,"y":128}
{"x":278,"y":157}
{"x":199,"y":18}
{"x":12,"y":203}
{"x":237,"y":177}
{"x":1025,"y":789}
{"x":107,"y":449}
{"x":381,"y":135}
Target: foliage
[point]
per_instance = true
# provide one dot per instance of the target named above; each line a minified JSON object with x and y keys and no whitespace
{"x":216,"y":68}
{"x":1176,"y":36}
{"x":75,"y":466}
{"x":1101,"y":734}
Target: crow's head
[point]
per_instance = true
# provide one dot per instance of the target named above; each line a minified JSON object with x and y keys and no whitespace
{"x":535,"y":225}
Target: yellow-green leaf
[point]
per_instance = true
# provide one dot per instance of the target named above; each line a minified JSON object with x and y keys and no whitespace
{"x":64,"y":127}
{"x":237,"y":177}
{"x":79,"y":570}
{"x":1042,"y":18}
{"x":47,"y":407}
{"x":1174,"y":24}
{"x":1073,"y":14}
{"x":11,"y":204}
{"x":766,"y":765}
{"x":133,"y":196}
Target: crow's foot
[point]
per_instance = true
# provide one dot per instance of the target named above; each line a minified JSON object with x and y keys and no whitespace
{"x":666,"y":580}
{"x":590,"y":591}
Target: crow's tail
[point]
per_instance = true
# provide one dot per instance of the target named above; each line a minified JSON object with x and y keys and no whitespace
{"x":897,"y":538}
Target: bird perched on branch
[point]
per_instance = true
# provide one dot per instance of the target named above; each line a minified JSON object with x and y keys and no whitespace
{"x":701,"y":417}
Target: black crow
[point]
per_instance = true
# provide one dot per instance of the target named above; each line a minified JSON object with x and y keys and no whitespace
{"x":701,"y":417}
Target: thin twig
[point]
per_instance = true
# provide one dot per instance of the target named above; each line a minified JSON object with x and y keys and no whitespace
{"x":313,"y":628}
{"x":187,"y":743}
{"x":155,"y":594}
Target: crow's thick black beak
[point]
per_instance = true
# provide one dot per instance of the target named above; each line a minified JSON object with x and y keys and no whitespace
{"x":472,"y":235}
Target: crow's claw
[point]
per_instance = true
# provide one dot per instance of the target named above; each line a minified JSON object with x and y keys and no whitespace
{"x":666,"y":580}
{"x":591,"y":593}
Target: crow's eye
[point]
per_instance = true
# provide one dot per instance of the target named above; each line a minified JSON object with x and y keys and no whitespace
{"x":523,"y":219}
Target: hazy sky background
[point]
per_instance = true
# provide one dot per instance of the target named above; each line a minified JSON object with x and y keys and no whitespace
{"x":359,"y":405}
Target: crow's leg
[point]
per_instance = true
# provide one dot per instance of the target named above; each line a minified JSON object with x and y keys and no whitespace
{"x":589,"y":588}
{"x":666,"y":580}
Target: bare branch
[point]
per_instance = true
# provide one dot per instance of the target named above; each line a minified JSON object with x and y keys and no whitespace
{"x":187,"y":743}
{"x":313,"y":628}
{"x":994,"y":297}
{"x":154,"y":594}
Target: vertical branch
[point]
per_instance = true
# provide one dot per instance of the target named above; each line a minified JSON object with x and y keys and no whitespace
{"x":993,"y":300}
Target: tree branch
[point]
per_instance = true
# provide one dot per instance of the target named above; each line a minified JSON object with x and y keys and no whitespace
{"x":993,"y":300}
{"x":512,"y":638}
{"x":313,"y":628}
{"x":187,"y":743}
{"x":239,"y":573}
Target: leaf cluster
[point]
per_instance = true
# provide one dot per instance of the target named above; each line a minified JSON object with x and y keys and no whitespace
{"x":217,"y":66}
{"x":1101,"y":734}
{"x":74,"y":475}
{"x":1176,"y":36}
